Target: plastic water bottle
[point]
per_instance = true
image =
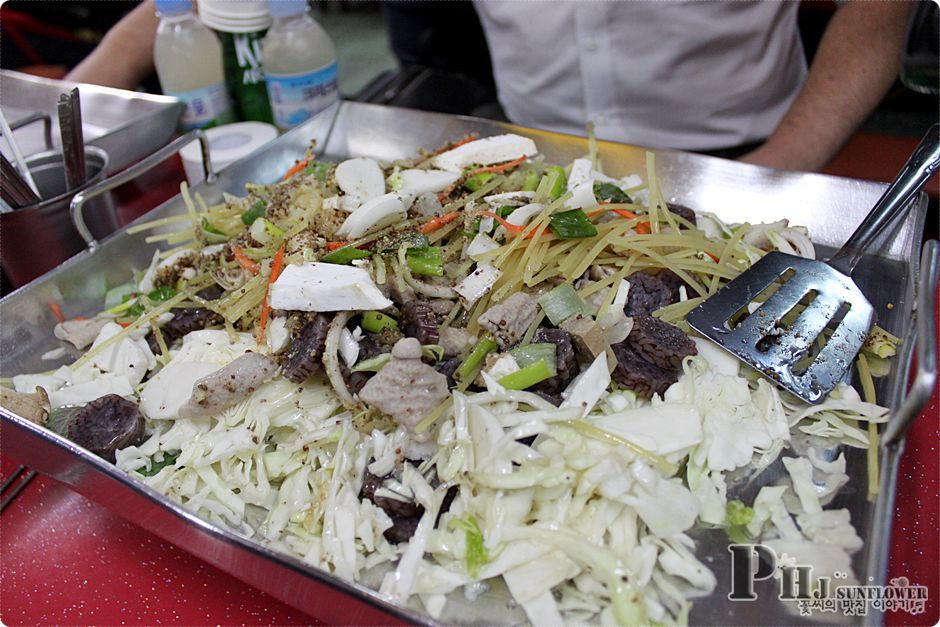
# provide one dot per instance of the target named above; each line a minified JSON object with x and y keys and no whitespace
{"x":188,"y":58}
{"x":241,"y":27}
{"x":299,"y":64}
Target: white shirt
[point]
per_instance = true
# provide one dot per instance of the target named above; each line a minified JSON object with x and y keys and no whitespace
{"x":696,"y":75}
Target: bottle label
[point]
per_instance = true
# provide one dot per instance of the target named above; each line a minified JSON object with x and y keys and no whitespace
{"x":205,"y":107}
{"x":241,"y":53}
{"x":296,"y":97}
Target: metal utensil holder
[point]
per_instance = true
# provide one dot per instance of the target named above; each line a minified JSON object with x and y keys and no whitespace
{"x":133,"y":172}
{"x":39,"y":236}
{"x":37,"y":117}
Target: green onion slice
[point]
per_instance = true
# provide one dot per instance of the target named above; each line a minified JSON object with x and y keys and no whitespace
{"x":318,"y":169}
{"x":559,"y":184}
{"x":256,"y":211}
{"x":531,"y":182}
{"x":428,"y":261}
{"x":475,"y":182}
{"x":344,"y":255}
{"x":373,"y":364}
{"x":527,"y":377}
{"x":468,"y":369}
{"x":376,"y":321}
{"x":530,"y":353}
{"x":561,"y":303}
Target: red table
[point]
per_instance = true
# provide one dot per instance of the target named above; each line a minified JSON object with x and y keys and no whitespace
{"x":66,"y":560}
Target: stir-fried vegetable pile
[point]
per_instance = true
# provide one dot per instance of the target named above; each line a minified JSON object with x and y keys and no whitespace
{"x":438,"y":373}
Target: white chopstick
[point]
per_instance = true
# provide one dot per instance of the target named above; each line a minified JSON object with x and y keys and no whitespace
{"x":18,"y":161}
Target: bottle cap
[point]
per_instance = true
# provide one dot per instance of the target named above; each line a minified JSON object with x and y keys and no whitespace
{"x":244,"y":16}
{"x":286,"y":8}
{"x":173,"y":7}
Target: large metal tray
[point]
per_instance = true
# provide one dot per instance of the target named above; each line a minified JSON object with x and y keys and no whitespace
{"x":829,"y":206}
{"x":127,"y":125}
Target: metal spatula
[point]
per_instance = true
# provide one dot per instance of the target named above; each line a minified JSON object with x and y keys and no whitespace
{"x":778,"y":315}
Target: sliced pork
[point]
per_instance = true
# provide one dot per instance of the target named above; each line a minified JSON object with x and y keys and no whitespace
{"x":406,"y":388}
{"x":34,"y":407}
{"x":510,"y":319}
{"x":229,"y":385}
{"x":80,"y":333}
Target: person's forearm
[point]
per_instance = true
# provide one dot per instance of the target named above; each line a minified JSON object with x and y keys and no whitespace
{"x":125,"y":55}
{"x":857,"y":62}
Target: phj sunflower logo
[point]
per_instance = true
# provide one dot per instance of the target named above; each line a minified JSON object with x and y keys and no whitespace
{"x":756,"y":562}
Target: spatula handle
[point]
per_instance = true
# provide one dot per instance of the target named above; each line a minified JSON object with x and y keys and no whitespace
{"x":918,"y":169}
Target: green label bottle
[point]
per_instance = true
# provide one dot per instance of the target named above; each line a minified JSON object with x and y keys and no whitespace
{"x":244,"y":75}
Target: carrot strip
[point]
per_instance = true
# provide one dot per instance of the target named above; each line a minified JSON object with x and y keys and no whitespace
{"x":499,"y":167}
{"x":470,"y":137}
{"x":460,"y":142}
{"x":623,"y":213}
{"x":436,"y":223}
{"x":297,"y":167}
{"x":643,"y":228}
{"x":56,"y":310}
{"x":276,"y":267}
{"x":251,"y":266}
{"x":514,"y":229}
{"x":331,"y":246}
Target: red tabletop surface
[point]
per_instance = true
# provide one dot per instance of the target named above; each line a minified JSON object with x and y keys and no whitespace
{"x":67,"y":560}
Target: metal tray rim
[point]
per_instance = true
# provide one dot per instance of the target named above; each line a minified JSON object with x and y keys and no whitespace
{"x":357,"y":590}
{"x":124,"y":94}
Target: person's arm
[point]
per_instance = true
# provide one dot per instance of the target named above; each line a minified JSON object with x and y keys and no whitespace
{"x":125,"y":55}
{"x":857,"y":62}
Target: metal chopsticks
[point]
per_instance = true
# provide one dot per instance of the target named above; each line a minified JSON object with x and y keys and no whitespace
{"x":73,"y":140}
{"x":14,"y":190}
{"x":17,"y":155}
{"x":14,"y":484}
{"x":17,"y":188}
